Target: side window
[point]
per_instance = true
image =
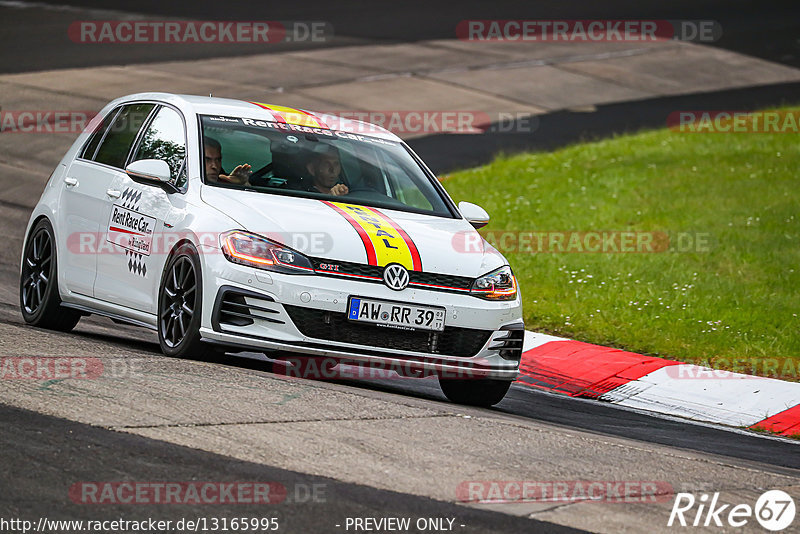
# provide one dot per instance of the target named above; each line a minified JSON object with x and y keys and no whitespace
{"x":165,"y":139}
{"x":120,"y":136}
{"x":240,"y":147}
{"x":100,"y":127}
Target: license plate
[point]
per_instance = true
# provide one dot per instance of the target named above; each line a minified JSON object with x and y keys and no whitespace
{"x":395,"y":314}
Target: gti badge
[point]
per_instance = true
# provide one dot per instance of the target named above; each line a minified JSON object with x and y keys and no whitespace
{"x":395,"y":276}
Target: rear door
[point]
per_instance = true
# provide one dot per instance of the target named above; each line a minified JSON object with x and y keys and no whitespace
{"x":86,"y":193}
{"x":134,"y":229}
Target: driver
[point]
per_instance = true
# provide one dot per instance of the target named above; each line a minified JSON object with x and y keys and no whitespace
{"x":325,"y":169}
{"x":213,"y":158}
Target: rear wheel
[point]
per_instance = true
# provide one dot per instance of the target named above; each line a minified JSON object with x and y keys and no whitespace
{"x":39,"y":300}
{"x":478,"y":392}
{"x":180,"y":300}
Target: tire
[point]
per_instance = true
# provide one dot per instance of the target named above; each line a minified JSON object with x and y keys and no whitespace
{"x":39,"y":300}
{"x":180,"y":298}
{"x":478,"y":392}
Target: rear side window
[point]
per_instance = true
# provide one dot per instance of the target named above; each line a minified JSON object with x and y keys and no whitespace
{"x":120,"y":136}
{"x":97,"y":136}
{"x":165,"y":139}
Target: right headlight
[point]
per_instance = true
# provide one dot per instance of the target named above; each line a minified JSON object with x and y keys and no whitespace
{"x":499,"y":284}
{"x":253,"y":250}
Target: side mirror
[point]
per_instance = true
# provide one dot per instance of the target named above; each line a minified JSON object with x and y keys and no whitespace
{"x":474,"y":214}
{"x":150,"y":170}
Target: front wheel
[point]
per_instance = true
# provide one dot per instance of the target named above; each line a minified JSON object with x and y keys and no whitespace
{"x":39,"y":300}
{"x":180,"y":300}
{"x":475,"y":392}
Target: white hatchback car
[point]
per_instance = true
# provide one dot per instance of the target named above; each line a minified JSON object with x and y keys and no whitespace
{"x":325,"y":237}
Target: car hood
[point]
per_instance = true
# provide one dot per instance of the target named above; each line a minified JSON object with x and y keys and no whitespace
{"x":325,"y":230}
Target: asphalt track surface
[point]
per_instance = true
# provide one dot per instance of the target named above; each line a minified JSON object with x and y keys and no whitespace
{"x":770,"y":30}
{"x":449,"y":152}
{"x":51,"y":447}
{"x":32,"y":38}
{"x":41,"y":455}
{"x":522,"y":401}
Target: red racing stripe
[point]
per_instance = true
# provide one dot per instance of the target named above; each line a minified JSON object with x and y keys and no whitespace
{"x":278,"y":116}
{"x":316,"y":118}
{"x":372,"y":258}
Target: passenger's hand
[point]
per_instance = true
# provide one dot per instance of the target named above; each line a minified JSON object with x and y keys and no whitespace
{"x":239,"y":176}
{"x":339,"y":190}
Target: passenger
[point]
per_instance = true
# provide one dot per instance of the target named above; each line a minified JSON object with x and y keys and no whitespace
{"x":325,"y":169}
{"x":214,"y":171}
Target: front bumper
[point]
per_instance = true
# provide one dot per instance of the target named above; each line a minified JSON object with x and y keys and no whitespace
{"x":306,"y":314}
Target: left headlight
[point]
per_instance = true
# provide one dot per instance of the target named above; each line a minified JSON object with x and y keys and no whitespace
{"x":253,"y":250}
{"x":499,"y":284}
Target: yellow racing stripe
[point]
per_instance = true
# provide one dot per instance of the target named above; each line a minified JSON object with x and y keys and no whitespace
{"x":384,"y":240}
{"x":292,"y":115}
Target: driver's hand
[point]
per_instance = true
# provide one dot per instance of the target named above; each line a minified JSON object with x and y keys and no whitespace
{"x":240,"y":174}
{"x":339,"y":190}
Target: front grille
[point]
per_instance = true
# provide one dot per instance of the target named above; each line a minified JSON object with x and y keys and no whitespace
{"x":444,"y":282}
{"x":455,"y":282}
{"x":238,"y":307}
{"x":334,"y":326}
{"x":347,"y":267}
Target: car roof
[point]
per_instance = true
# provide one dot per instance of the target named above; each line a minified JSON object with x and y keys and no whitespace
{"x":210,"y":105}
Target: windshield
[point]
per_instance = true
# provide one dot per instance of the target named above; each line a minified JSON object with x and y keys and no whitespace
{"x":286,"y":159}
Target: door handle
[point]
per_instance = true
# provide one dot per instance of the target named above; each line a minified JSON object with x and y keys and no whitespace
{"x":113,"y":193}
{"x":71,"y":182}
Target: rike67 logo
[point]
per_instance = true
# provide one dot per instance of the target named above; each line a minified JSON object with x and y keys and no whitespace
{"x":774,"y":510}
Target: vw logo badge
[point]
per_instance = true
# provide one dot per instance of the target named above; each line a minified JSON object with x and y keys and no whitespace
{"x":395,"y":276}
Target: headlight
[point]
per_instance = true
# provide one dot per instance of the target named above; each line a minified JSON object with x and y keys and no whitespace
{"x":499,"y":284}
{"x":253,"y":250}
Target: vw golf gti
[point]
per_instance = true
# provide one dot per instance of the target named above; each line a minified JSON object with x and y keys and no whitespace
{"x":231,"y":226}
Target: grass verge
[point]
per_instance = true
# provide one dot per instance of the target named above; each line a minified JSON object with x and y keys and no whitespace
{"x":721,"y":287}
